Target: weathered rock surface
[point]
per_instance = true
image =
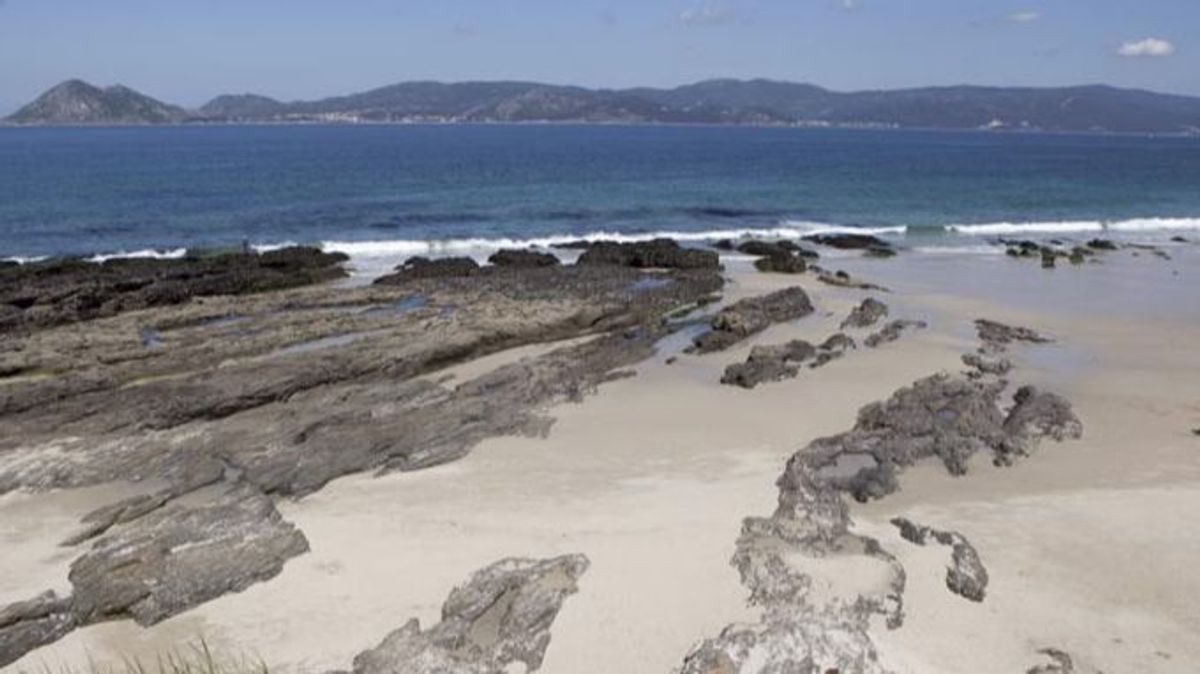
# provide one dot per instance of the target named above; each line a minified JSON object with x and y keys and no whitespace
{"x":835,"y":346}
{"x":422,"y":268}
{"x":510,"y":257}
{"x":658,"y":253}
{"x":501,"y":616}
{"x":998,"y":335}
{"x":892,"y":331}
{"x":866,"y":314}
{"x":815,"y":619}
{"x":56,"y":292}
{"x":159,"y":565}
{"x":986,"y":364}
{"x":782,"y":257}
{"x":842,"y":279}
{"x":750,"y":316}
{"x":769,"y":363}
{"x":966,"y":575}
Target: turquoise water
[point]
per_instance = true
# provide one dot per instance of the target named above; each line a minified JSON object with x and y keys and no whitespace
{"x":398,"y":188}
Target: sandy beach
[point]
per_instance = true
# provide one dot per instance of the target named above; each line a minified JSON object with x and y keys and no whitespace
{"x":1088,"y":543}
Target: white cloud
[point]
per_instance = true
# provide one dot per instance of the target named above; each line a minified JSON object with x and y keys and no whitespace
{"x":1151,"y":46}
{"x":1024,"y":17}
{"x":707,"y":15}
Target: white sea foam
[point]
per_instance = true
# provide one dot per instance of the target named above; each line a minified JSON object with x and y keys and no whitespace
{"x":803,"y":228}
{"x":1077,"y":226}
{"x":396,"y":247}
{"x":148,"y":253}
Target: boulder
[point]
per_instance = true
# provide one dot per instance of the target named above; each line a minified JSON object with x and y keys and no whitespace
{"x":850,"y":241}
{"x":522,"y":258}
{"x":751,"y":316}
{"x":866,"y":314}
{"x":658,"y":253}
{"x":423,"y":268}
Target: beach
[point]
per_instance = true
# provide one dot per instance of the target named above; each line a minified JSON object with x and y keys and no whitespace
{"x":650,"y":475}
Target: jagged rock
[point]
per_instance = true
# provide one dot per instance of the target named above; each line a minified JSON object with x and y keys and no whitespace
{"x":750,"y":316}
{"x":179,"y":556}
{"x":659,"y":253}
{"x":998,"y":335}
{"x":810,"y":624}
{"x":422,"y":267}
{"x":892,"y":331}
{"x":940,"y":416}
{"x":866,"y":314}
{"x":795,"y":351}
{"x":159,"y":564}
{"x":502,"y":615}
{"x":56,"y":292}
{"x":985,"y":364}
{"x":522,"y":258}
{"x":835,"y":346}
{"x":965,"y":576}
{"x":27,"y":625}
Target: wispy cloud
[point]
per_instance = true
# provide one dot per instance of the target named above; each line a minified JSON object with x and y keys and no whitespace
{"x":1024,"y":17}
{"x":1151,"y":46}
{"x":707,"y":15}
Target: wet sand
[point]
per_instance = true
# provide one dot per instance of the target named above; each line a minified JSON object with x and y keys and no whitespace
{"x":1088,"y":542}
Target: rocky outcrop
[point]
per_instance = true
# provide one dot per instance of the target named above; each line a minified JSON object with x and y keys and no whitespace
{"x":658,"y":253}
{"x":997,"y":336}
{"x":866,"y":314}
{"x":849,"y":241}
{"x":769,"y":363}
{"x":782,"y":257}
{"x":892,"y":331}
{"x":965,"y":576}
{"x":423,"y":268}
{"x":159,"y":565}
{"x":984,"y":364}
{"x":813,"y":618}
{"x":56,"y":292}
{"x":835,"y":346}
{"x":842,"y":279}
{"x":510,"y":257}
{"x":750,"y":316}
{"x":501,"y":616}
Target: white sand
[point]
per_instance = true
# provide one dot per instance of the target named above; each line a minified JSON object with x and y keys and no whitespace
{"x":1088,"y":542}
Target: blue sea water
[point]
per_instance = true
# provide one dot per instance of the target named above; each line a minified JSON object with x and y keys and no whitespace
{"x":405,"y":189}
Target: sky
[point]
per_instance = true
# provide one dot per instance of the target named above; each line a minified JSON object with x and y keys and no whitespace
{"x":188,"y":51}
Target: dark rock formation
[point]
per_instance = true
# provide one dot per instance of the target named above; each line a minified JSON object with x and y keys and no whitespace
{"x":54,"y":292}
{"x":998,"y":335}
{"x":892,"y":331}
{"x":866,"y":314}
{"x":1101,"y":244}
{"x":965,"y":576}
{"x":750,"y":316}
{"x":986,"y":364}
{"x":659,"y":253}
{"x":159,"y":565}
{"x":847,"y":241}
{"x":835,"y":346}
{"x":422,"y":267}
{"x":502,"y":615}
{"x":769,"y":363}
{"x":522,"y":258}
{"x":789,"y":263}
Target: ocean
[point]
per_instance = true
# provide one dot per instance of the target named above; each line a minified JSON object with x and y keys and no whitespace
{"x":393,"y":191}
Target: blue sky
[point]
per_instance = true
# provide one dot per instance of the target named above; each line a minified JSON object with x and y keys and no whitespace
{"x":186,"y":51}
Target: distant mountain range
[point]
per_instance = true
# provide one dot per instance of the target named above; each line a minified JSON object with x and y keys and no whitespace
{"x":763,"y":102}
